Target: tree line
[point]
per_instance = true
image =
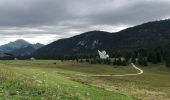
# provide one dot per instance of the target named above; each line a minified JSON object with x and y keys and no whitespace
{"x":141,"y":56}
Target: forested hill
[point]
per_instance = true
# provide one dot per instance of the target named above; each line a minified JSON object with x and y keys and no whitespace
{"x":149,"y":34}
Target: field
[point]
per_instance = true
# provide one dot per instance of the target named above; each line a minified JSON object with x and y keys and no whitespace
{"x":56,"y":80}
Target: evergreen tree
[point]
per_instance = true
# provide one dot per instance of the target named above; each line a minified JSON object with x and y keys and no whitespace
{"x":140,"y":59}
{"x":154,"y":59}
{"x":149,"y":57}
{"x":93,"y":61}
{"x":115,"y":62}
{"x":144,"y":61}
{"x":99,"y":61}
{"x":124,"y":63}
{"x":87,"y":60}
{"x":108,"y":61}
{"x":81,"y":61}
{"x":133,"y":60}
{"x":167,"y":61}
{"x":159,"y":58}
{"x":119,"y":61}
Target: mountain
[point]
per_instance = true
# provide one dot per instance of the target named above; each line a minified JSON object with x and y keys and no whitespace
{"x":23,"y":51}
{"x":85,"y":42}
{"x":148,"y":34}
{"x":37,"y":45}
{"x":20,"y":48}
{"x":13,"y":45}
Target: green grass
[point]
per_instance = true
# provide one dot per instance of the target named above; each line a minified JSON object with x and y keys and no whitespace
{"x":154,"y":84}
{"x":41,"y":79}
{"x":44,"y":80}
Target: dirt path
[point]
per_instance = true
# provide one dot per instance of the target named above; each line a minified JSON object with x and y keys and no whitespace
{"x":97,"y":75}
{"x":133,"y":65}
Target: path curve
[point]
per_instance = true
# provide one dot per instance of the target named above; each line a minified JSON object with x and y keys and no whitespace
{"x":133,"y":65}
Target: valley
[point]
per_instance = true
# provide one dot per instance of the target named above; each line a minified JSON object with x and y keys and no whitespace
{"x":84,"y":50}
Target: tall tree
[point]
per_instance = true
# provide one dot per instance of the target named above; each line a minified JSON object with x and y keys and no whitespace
{"x":119,"y":61}
{"x":133,"y":60}
{"x":154,"y":58}
{"x":167,"y":61}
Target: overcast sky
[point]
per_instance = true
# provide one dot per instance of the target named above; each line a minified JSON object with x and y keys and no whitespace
{"x":45,"y":21}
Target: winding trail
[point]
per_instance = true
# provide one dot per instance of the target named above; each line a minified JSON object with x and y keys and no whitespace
{"x":133,"y":65}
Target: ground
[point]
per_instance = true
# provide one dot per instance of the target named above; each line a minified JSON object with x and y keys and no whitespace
{"x":51,"y":79}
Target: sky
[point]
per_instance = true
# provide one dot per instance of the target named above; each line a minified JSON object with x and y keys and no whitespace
{"x":45,"y":21}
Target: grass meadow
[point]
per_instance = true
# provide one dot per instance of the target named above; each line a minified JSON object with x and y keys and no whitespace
{"x":56,"y":80}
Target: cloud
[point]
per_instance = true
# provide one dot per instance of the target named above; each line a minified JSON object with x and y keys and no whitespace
{"x":55,"y":19}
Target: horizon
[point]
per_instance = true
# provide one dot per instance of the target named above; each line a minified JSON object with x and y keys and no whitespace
{"x":46,"y":43}
{"x":20,"y":36}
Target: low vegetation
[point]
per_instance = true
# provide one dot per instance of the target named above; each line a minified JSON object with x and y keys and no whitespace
{"x":42,"y":80}
{"x":49,"y":79}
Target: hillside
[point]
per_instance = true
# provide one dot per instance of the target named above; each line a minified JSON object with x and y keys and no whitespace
{"x":148,"y":34}
{"x":151,"y":33}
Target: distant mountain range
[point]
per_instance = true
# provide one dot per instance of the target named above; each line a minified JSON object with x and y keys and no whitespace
{"x":148,"y":34}
{"x":20,"y":48}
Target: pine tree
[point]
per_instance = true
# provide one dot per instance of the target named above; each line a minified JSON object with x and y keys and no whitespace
{"x":81,"y":61}
{"x":144,"y":61}
{"x":124,"y":63}
{"x":119,"y":61}
{"x":108,"y":61}
{"x":154,"y":59}
{"x":167,"y":61}
{"x":100,"y":61}
{"x":159,"y":58}
{"x":140,"y":59}
{"x":133,"y":60}
{"x":87,"y":60}
{"x":114,"y":62}
{"x":149,"y":57}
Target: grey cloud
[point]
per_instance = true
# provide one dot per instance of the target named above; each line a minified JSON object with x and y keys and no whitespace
{"x":32,"y":12}
{"x":134,"y":14}
{"x":65,"y":18}
{"x":54,"y":12}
